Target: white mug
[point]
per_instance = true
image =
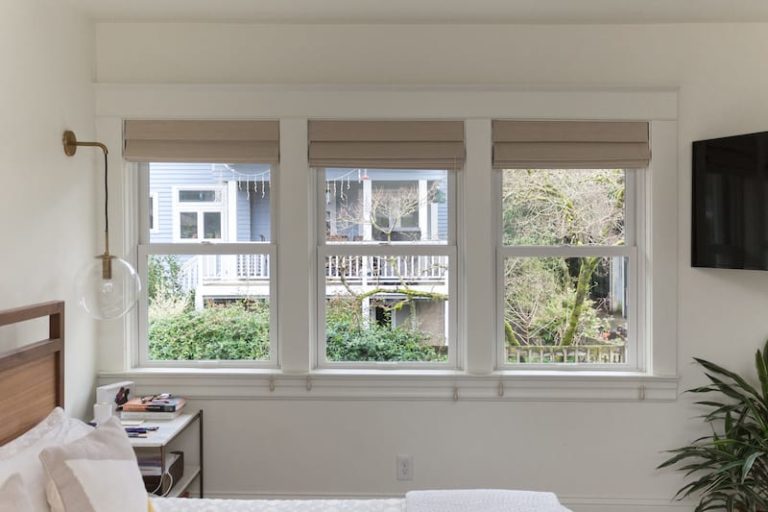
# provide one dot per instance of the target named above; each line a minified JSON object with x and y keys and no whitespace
{"x":102,"y":411}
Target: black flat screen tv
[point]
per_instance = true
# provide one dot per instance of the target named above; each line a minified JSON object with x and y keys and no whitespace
{"x":730,"y":202}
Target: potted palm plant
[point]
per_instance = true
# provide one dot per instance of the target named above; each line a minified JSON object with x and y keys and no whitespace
{"x":729,"y":467}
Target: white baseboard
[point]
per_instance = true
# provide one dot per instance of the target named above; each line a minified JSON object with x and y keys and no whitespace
{"x":576,"y":504}
{"x":625,"y":505}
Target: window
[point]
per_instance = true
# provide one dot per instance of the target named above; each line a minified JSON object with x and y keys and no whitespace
{"x":152,"y":209}
{"x":646,"y":265}
{"x":568,"y":267}
{"x":199,"y":213}
{"x":209,"y":269}
{"x":387,"y":260}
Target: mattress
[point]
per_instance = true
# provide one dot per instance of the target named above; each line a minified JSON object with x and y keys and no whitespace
{"x":192,"y":505}
{"x":472,"y":500}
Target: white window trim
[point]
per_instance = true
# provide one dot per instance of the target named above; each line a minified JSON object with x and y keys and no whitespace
{"x":633,"y":250}
{"x":375,"y":248}
{"x":399,"y":385}
{"x":477,"y":105}
{"x":146,"y":249}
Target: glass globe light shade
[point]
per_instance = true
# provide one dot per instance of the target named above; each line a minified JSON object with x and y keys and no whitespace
{"x":107,"y":288}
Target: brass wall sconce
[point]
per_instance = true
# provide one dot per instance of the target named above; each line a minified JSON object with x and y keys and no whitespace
{"x":109,"y":287}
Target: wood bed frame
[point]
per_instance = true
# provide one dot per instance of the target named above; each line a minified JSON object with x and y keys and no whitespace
{"x":31,"y":377}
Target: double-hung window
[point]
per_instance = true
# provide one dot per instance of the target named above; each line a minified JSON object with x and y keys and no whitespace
{"x":207,"y":247}
{"x":386,"y":250}
{"x":570,"y":252}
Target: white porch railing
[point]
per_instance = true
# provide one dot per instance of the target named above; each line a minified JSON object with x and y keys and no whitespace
{"x":387,"y":269}
{"x":222,"y":269}
{"x":575,"y":354}
{"x":211,"y":269}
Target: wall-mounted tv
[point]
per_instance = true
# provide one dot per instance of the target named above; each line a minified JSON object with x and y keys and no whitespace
{"x":730,"y":202}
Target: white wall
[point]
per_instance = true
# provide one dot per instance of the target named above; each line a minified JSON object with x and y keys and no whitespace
{"x":587,"y":452}
{"x":47,"y":200}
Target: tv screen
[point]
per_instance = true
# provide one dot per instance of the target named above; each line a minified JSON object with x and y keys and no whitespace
{"x":730,"y":202}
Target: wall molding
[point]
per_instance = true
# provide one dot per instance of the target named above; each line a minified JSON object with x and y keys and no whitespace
{"x":233,"y":101}
{"x":250,"y":384}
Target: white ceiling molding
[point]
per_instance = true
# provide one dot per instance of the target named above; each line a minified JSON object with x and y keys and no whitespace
{"x":429,"y":11}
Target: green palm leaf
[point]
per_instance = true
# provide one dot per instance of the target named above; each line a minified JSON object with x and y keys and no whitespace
{"x":729,"y":467}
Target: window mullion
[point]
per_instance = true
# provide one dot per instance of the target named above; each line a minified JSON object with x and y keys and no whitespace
{"x":477,"y":333}
{"x":210,"y":248}
{"x":296,"y":249}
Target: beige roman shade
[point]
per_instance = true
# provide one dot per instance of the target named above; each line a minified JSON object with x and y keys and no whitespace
{"x":202,"y":141}
{"x":570,"y":145}
{"x":387,"y":144}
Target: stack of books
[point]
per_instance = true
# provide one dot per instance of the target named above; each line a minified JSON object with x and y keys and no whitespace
{"x":156,"y":407}
{"x":150,"y":468}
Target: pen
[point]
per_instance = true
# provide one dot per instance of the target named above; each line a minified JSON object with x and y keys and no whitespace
{"x":140,"y":430}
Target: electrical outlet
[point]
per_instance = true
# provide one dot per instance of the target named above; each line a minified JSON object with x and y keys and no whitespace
{"x":405,"y":467}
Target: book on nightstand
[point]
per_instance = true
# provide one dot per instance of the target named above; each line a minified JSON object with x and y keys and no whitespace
{"x":154,"y":404}
{"x":149,"y":416}
{"x":150,"y":472}
{"x":158,"y":407}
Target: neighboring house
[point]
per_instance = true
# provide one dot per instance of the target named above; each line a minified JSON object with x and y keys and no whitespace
{"x":214,"y":203}
{"x":231,"y":203}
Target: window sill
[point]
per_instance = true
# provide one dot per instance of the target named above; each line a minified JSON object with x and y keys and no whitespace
{"x":265,"y":384}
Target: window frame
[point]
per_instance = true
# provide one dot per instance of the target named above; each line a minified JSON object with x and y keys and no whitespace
{"x":633,"y":249}
{"x":324,"y":249}
{"x":146,"y":248}
{"x":480,"y":378}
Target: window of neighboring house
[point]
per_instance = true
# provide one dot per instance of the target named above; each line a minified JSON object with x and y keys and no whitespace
{"x":569,"y":266}
{"x":199,"y":212}
{"x":387,"y":260}
{"x":152,"y":209}
{"x":208,"y":269}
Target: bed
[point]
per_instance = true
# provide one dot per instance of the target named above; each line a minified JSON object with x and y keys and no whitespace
{"x":32,"y":391}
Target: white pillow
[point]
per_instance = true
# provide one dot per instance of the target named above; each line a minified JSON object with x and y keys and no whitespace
{"x":52,"y":424}
{"x":13,"y":496}
{"x":22,"y":454}
{"x":96,"y":473}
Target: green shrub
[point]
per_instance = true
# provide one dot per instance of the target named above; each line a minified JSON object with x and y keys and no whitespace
{"x":240,"y":331}
{"x":347,"y":339}
{"x":233,"y":331}
{"x":379,"y":343}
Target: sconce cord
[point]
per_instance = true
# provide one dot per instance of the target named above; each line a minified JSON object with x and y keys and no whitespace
{"x":70,"y":148}
{"x":106,"y":202}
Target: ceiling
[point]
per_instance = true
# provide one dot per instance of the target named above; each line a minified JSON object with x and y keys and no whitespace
{"x":428,"y":11}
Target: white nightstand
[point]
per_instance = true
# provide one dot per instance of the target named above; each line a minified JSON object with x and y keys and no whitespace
{"x":167,"y":431}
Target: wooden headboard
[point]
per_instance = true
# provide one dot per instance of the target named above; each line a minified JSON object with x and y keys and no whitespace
{"x":31,"y":377}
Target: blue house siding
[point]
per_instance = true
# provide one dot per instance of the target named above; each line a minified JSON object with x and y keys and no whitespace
{"x":162,"y":178}
{"x":252,"y":210}
{"x":260,"y":227}
{"x":243,"y":222}
{"x":442,"y":213}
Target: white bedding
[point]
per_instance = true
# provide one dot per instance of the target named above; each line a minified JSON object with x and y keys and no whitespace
{"x":417,"y":501}
{"x":485,"y":500}
{"x":192,"y":505}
